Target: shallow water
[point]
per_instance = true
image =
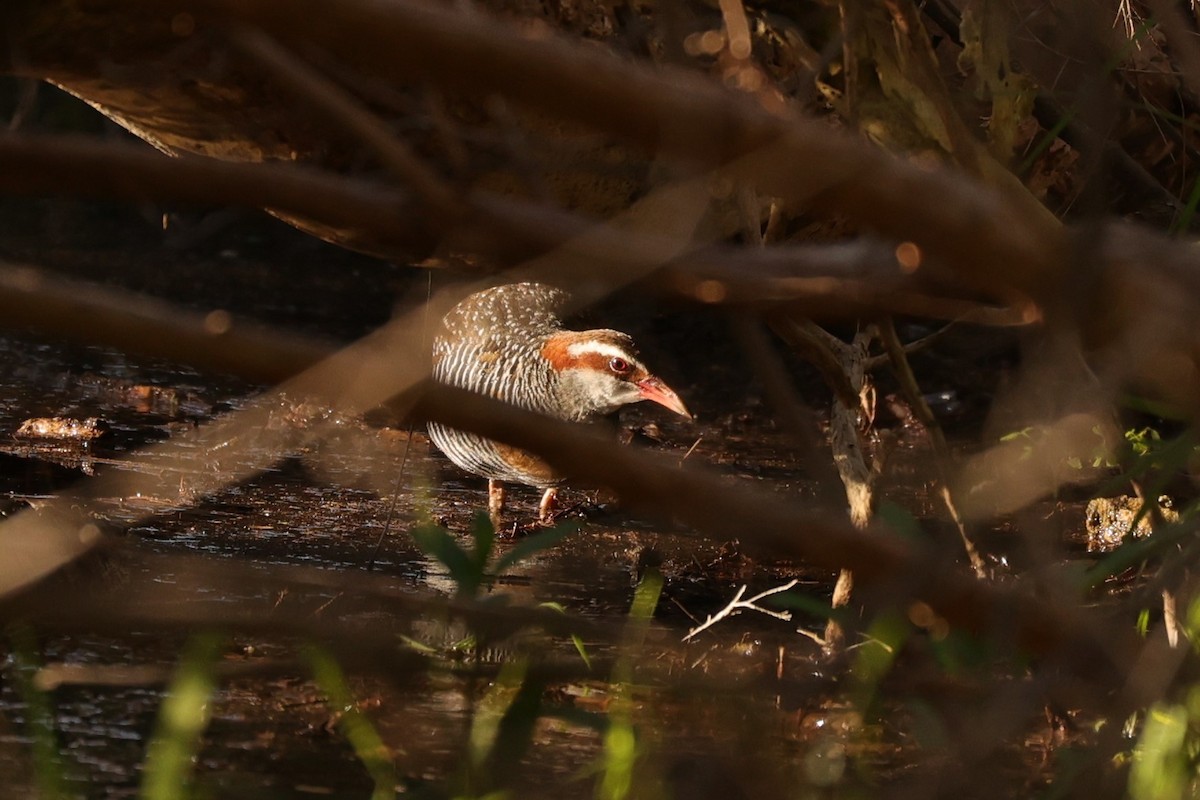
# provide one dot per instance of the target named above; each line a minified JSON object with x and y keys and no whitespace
{"x":318,"y":541}
{"x":315,"y":509}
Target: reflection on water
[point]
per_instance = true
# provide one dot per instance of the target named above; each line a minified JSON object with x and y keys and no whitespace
{"x":326,"y":504}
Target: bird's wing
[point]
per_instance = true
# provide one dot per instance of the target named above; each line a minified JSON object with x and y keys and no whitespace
{"x":516,"y":310}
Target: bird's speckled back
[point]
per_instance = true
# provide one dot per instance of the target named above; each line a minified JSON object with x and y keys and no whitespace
{"x":515,"y":309}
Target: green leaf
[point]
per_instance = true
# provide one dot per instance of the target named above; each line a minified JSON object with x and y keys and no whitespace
{"x":645,"y":599}
{"x":182,"y":720}
{"x":1024,"y":433}
{"x":437,"y":543}
{"x":575,"y":639}
{"x":502,"y":728}
{"x":621,"y":747}
{"x":1184,"y":221}
{"x":581,"y":648}
{"x":418,"y":646}
{"x":484,"y":535}
{"x":364,"y":739}
{"x":534,"y":543}
{"x":1191,"y":623}
{"x":901,"y":521}
{"x":1160,"y":768}
{"x":49,"y":770}
{"x":874,"y":658}
{"x":516,"y":727}
{"x":620,"y":758}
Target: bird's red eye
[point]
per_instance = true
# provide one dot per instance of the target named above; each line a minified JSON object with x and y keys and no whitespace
{"x":618,"y":365}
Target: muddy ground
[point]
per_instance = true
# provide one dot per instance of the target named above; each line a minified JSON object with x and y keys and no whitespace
{"x":747,"y":707}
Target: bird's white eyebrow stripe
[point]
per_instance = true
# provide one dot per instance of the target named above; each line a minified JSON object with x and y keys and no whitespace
{"x":576,"y":349}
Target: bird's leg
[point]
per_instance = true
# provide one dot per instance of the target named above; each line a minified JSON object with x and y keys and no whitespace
{"x":546,"y":507}
{"x":495,"y":501}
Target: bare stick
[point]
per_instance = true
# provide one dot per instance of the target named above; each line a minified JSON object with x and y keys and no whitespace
{"x":737,"y":605}
{"x":943,"y":458}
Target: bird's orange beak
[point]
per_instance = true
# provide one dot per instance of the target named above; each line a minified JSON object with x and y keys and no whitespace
{"x":654,"y":389}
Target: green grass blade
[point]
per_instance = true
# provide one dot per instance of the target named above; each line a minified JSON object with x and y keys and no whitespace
{"x":535,"y":543}
{"x":874,"y":658}
{"x":182,"y":720}
{"x":645,"y":600}
{"x":621,"y":748}
{"x":366,"y":742}
{"x":580,"y":647}
{"x":1160,"y":765}
{"x":437,"y":543}
{"x":620,"y":758}
{"x":484,"y":535}
{"x":502,"y":728}
{"x":49,"y":771}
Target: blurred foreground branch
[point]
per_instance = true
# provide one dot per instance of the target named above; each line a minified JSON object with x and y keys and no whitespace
{"x":998,"y":240}
{"x":369,"y":372}
{"x":834,"y":279}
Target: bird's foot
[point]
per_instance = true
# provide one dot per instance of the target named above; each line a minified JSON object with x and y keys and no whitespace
{"x":584,"y":509}
{"x":547,"y":506}
{"x":496,"y":495}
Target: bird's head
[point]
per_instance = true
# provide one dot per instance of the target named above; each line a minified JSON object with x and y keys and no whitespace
{"x":599,"y":371}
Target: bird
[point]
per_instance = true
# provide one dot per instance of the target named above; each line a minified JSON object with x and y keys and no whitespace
{"x":509,"y":343}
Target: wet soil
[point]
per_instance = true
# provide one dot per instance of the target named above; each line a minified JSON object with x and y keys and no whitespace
{"x":322,"y":536}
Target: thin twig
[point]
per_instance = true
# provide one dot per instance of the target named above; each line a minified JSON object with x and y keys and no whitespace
{"x":691,"y":449}
{"x":912,"y":347}
{"x":737,"y":605}
{"x":943,"y":459}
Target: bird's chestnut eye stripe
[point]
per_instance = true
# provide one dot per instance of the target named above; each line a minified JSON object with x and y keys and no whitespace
{"x":618,"y":365}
